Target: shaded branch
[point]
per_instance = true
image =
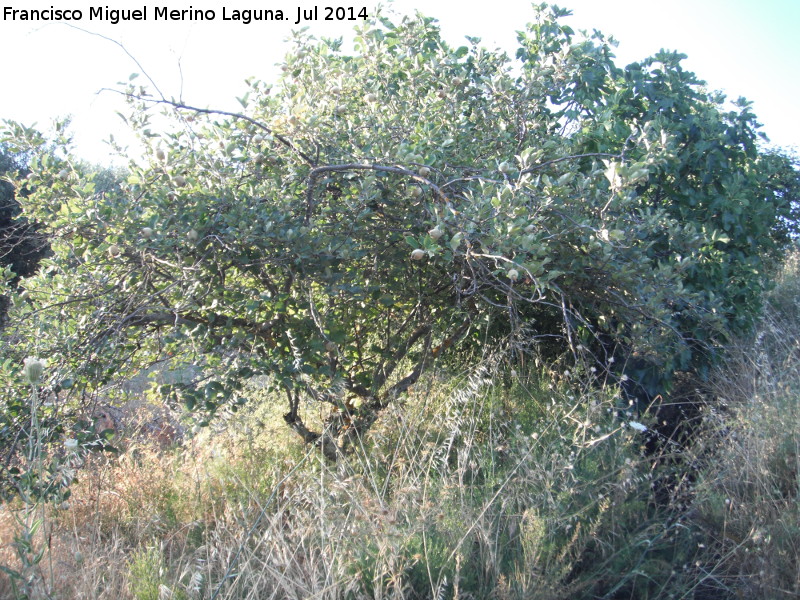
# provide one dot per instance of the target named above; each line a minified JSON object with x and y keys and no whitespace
{"x":384,"y":371}
{"x":175,"y":318}
{"x":295,"y":422}
{"x":317,"y":171}
{"x":410,"y":379}
{"x":572,"y":157}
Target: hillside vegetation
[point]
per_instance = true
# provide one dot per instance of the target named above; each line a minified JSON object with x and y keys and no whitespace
{"x":420,"y":321}
{"x":481,"y":485}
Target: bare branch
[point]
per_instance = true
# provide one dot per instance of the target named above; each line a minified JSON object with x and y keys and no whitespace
{"x":209,"y":111}
{"x":125,"y":50}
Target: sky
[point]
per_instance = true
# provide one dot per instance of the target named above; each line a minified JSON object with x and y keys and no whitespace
{"x":50,"y":70}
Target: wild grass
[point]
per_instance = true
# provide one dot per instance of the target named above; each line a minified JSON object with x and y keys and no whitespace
{"x":478,"y":485}
{"x":749,"y":499}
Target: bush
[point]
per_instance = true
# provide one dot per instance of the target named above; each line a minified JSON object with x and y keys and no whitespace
{"x":146,"y":573}
{"x":374,"y":212}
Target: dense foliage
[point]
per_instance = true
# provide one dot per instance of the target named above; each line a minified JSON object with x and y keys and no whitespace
{"x":379,"y":209}
{"x":21,"y":244}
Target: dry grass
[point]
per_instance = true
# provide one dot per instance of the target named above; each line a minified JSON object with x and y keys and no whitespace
{"x":749,"y":501}
{"x":473,"y":492}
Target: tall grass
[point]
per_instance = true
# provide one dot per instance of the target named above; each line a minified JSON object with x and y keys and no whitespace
{"x":749,"y":500}
{"x":471,"y":489}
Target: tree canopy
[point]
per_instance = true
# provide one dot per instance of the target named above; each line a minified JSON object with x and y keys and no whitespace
{"x":406,"y":202}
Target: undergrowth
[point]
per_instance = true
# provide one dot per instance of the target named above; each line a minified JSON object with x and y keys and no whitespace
{"x":749,"y":501}
{"x":483,"y":484}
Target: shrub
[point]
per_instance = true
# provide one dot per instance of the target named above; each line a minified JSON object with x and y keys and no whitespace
{"x":578,"y":207}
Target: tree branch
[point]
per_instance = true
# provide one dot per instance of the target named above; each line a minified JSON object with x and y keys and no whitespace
{"x":317,"y":171}
{"x":572,"y":157}
{"x":385,"y":371}
{"x":209,"y":111}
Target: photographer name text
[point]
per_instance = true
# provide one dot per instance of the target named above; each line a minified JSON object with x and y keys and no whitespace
{"x":295,"y":15}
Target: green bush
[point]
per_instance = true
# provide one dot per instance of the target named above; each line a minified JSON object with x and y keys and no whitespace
{"x":146,"y":573}
{"x":376,"y":211}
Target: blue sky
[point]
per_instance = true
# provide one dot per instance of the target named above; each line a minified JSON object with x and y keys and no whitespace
{"x":746,"y":48}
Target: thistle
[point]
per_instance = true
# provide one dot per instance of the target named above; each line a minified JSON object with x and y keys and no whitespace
{"x":33,"y":369}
